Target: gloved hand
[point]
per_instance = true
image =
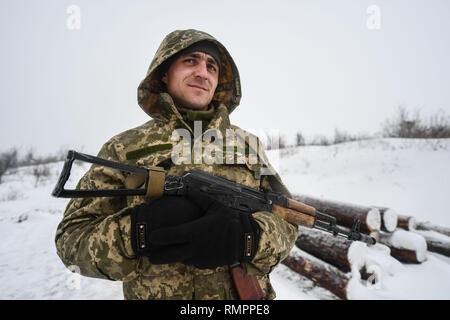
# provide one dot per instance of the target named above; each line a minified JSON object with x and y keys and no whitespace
{"x":163,"y":212}
{"x":220,"y":237}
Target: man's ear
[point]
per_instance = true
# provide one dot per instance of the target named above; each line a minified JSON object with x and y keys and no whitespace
{"x":164,"y":78}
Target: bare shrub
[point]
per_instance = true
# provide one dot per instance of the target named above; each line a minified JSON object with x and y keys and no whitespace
{"x":8,"y":160}
{"x":439,"y":125}
{"x":282,"y":142}
{"x":39,"y":172}
{"x":413,"y":125}
{"x":28,"y":159}
{"x":275,"y":141}
{"x":31,"y":158}
{"x":342,"y":136}
{"x":320,"y":140}
{"x":299,"y":139}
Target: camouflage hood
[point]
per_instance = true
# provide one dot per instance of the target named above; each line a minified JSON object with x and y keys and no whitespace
{"x":228,"y":91}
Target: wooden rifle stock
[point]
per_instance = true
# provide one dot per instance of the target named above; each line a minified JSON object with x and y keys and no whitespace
{"x":247,"y":286}
{"x":297,"y":213}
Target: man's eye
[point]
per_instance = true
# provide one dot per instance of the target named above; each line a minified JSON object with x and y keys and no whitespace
{"x":189,"y":60}
{"x":212,"y":67}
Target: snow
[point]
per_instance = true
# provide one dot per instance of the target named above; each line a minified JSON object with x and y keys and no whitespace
{"x":433,"y":235}
{"x":29,"y":266}
{"x":375,"y":259}
{"x":289,"y":285}
{"x":403,"y":239}
{"x":390,"y":220}
{"x":373,"y":219}
{"x":411,"y":223}
{"x":426,"y":281}
{"x":408,"y":176}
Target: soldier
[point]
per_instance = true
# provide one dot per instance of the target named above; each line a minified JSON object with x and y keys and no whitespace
{"x":191,"y":81}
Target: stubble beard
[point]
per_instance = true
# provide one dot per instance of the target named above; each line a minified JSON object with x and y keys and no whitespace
{"x":189,"y":101}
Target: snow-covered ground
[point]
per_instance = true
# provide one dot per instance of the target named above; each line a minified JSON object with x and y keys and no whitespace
{"x":409,"y":176}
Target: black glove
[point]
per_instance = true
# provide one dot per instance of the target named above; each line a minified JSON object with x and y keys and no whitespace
{"x":221,"y":237}
{"x":164,"y":212}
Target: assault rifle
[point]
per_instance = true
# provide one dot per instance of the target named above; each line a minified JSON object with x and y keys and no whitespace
{"x":153,"y":182}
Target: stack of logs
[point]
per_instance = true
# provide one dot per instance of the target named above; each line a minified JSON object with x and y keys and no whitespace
{"x":324,"y":259}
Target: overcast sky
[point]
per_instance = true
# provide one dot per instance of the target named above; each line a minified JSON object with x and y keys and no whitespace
{"x":310,"y":65}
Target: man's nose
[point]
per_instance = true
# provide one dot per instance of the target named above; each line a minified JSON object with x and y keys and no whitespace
{"x":201,"y":70}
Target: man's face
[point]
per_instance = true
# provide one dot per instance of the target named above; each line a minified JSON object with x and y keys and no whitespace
{"x":192,"y":80}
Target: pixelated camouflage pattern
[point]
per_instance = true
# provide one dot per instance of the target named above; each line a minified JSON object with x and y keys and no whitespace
{"x":228,"y":91}
{"x":94,"y":233}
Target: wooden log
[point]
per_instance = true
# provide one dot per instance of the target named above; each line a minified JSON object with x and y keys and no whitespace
{"x":437,"y":246}
{"x":345,"y":213}
{"x":406,"y":222}
{"x":319,"y":272}
{"x":324,"y":246}
{"x":406,"y":247}
{"x":332,"y":250}
{"x":405,"y":255}
{"x":389,"y":219}
{"x":440,"y":244}
{"x":431,"y":227}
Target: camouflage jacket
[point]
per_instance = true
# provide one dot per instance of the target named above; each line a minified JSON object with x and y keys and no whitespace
{"x":94,"y":233}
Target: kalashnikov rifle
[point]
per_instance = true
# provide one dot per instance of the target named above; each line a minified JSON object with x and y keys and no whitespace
{"x":153,"y":182}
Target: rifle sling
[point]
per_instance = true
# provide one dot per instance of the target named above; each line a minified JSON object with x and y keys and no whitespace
{"x":156,"y":181}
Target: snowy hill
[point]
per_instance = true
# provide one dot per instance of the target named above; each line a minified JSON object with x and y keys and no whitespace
{"x":410,"y":176}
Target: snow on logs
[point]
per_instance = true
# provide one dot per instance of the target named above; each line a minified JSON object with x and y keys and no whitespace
{"x":345,"y":213}
{"x":331,"y":262}
{"x":389,"y":219}
{"x":439,"y":244}
{"x":336,"y":263}
{"x":427,"y":226}
{"x":343,"y":254}
{"x":406,"y":222}
{"x":407,"y":247}
{"x":409,"y":223}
